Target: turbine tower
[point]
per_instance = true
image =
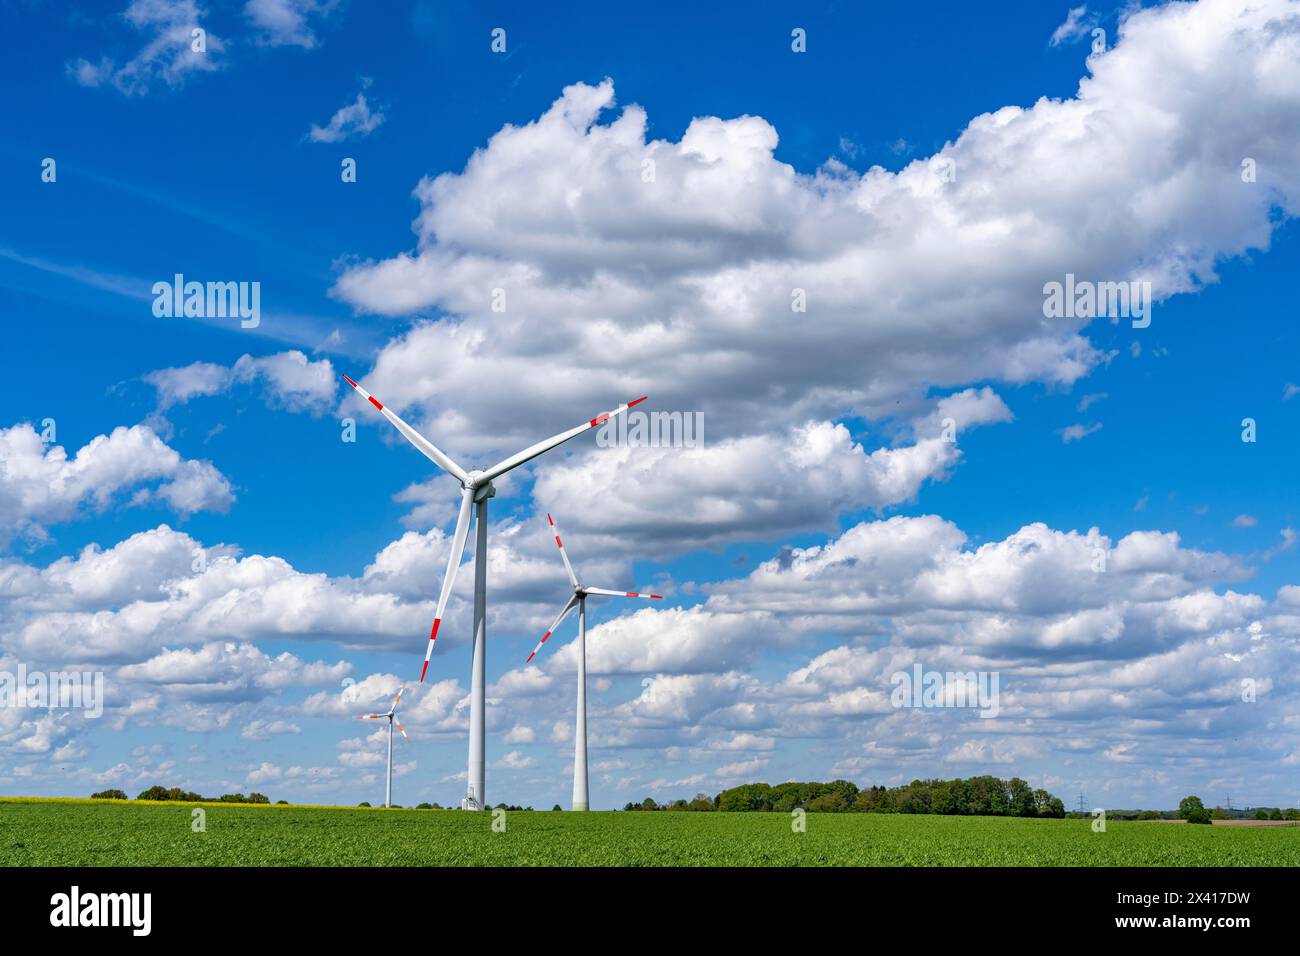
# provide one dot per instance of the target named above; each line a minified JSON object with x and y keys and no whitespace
{"x":388,"y":789}
{"x":476,"y":489}
{"x":579,"y":597}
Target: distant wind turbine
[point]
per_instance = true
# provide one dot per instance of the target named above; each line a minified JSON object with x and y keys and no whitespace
{"x":476,"y":489}
{"x":392,"y":721}
{"x":579,"y":597}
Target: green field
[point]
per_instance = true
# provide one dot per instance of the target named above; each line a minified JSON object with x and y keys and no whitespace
{"x":106,"y":833}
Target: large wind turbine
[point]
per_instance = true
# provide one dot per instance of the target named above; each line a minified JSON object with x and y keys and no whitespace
{"x":476,"y":489}
{"x":388,"y":790}
{"x":579,"y":597}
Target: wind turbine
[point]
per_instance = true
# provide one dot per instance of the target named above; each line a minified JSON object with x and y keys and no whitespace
{"x":476,"y":489}
{"x":579,"y":597}
{"x":392,"y":721}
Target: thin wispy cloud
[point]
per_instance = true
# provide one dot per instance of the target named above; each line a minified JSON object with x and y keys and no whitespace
{"x":177,"y":46}
{"x":287,"y":22}
{"x":1078,"y":432}
{"x":1077,"y":25}
{"x":354,"y":119}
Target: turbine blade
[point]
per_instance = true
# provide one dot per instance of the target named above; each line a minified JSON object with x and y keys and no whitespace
{"x":572,"y":603}
{"x":453,"y":565}
{"x":400,"y":692}
{"x":430,"y":451}
{"x":657,"y":597}
{"x":532,"y":451}
{"x":400,"y":730}
{"x":372,"y":717}
{"x":573,"y":578}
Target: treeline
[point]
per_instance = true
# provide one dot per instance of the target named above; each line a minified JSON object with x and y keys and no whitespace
{"x":974,"y":796}
{"x":182,"y":796}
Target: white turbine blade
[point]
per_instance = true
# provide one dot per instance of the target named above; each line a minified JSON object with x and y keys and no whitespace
{"x":551,"y":630}
{"x":372,"y":717}
{"x":400,"y":730}
{"x":430,"y":451}
{"x":453,"y":565}
{"x":532,"y":451}
{"x":400,"y":692}
{"x":656,"y":597}
{"x":573,"y":578}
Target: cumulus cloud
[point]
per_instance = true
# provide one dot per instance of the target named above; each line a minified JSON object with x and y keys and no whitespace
{"x":266,"y":729}
{"x":226,"y":668}
{"x":1038,"y":590}
{"x":912,"y":281}
{"x":434,"y":707}
{"x":40,"y":485}
{"x":288,"y":380}
{"x":756,"y":486}
{"x":628,"y":265}
{"x":157,"y":598}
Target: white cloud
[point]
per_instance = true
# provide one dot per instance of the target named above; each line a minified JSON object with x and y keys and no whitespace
{"x":40,"y":485}
{"x":514,"y":760}
{"x":287,"y":22}
{"x":167,"y":57}
{"x":519,"y":734}
{"x":681,"y":287}
{"x":352,"y":119}
{"x":741,"y":768}
{"x":1077,"y":25}
{"x":158,"y":598}
{"x":289,"y":380}
{"x":757,"y":486}
{"x":266,"y":729}
{"x":1078,"y":432}
{"x":228,"y":669}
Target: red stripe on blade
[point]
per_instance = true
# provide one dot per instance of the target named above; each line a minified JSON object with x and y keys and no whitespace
{"x":375,"y":402}
{"x":349,"y":381}
{"x":657,"y":597}
{"x":545,"y":636}
{"x":638,"y":401}
{"x":599,"y":419}
{"x":433,"y":632}
{"x":422,"y":671}
{"x":631,"y":594}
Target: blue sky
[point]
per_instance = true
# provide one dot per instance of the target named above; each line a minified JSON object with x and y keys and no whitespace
{"x":813,"y":176}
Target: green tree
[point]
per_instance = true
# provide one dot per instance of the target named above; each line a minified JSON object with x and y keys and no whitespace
{"x":1193,"y":810}
{"x":108,"y":795}
{"x":1020,"y":799}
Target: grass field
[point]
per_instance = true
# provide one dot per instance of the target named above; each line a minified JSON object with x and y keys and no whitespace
{"x":114,"y":833}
